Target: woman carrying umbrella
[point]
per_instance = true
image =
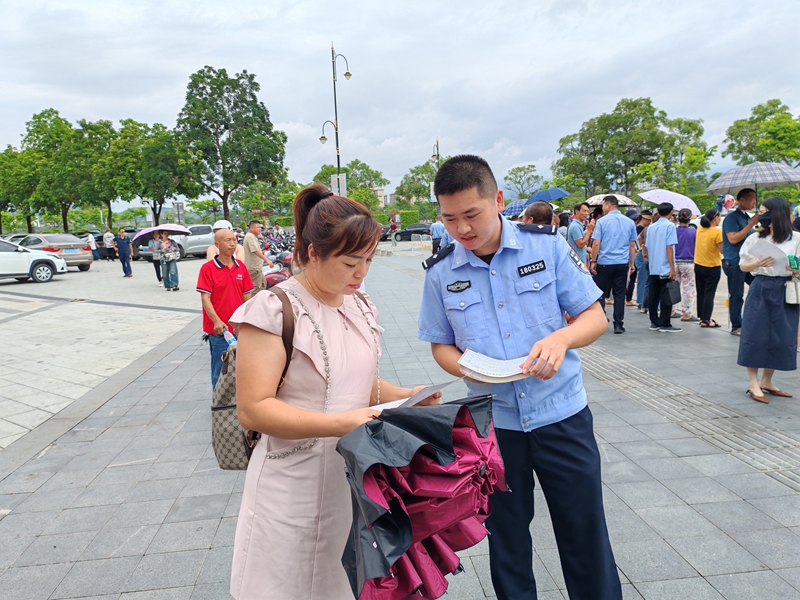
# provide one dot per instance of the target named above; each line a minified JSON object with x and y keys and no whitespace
{"x":769,"y":324}
{"x":154,"y":246}
{"x":169,"y":262}
{"x":707,"y":265}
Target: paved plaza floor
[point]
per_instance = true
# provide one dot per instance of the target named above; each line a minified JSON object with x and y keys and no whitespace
{"x":118,"y":495}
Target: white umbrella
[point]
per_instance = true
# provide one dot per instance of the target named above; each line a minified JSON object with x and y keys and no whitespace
{"x":755,"y":175}
{"x":598,"y":200}
{"x":677,"y":200}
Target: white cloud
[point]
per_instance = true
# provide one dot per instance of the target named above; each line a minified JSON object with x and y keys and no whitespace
{"x":503,"y":79}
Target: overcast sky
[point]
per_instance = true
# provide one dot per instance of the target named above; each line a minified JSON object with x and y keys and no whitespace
{"x":504,"y":80}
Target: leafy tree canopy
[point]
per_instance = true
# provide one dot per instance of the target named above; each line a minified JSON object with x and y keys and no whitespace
{"x":416,"y":184}
{"x":225,"y":125}
{"x":769,"y":134}
{"x":522,"y":181}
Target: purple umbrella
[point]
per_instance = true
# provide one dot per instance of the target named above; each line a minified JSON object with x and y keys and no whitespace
{"x":166,"y":227}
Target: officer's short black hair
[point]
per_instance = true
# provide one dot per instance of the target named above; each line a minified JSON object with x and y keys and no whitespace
{"x":463,"y":172}
{"x":665,"y":208}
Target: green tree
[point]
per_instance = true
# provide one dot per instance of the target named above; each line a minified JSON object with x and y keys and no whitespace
{"x":228,"y":129}
{"x":277,"y":196}
{"x":416,"y":184}
{"x":18,"y":181}
{"x":522,"y":181}
{"x":769,"y":134}
{"x":98,"y":189}
{"x":325,"y":173}
{"x":364,"y":195}
{"x":360,"y":174}
{"x":207,"y":209}
{"x":134,"y":215}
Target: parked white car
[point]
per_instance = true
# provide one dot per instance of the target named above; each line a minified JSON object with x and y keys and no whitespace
{"x":23,"y":264}
{"x":196,"y":243}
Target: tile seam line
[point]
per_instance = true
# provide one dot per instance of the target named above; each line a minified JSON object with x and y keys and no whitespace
{"x":33,"y":442}
{"x":56,"y":299}
{"x":28,"y":313}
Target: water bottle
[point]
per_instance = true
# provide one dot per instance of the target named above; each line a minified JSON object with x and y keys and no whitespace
{"x":230,"y":338}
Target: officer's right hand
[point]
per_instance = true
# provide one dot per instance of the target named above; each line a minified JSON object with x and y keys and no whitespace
{"x":546,"y":357}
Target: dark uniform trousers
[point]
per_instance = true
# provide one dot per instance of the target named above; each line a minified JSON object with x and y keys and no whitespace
{"x":613,"y":279}
{"x":566,"y":460}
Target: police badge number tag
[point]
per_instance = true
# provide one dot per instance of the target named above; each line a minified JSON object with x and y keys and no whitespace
{"x":532,"y":268}
{"x":459,"y":286}
{"x":576,"y":260}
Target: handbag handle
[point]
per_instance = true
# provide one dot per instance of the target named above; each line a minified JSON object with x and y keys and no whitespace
{"x":287,"y":335}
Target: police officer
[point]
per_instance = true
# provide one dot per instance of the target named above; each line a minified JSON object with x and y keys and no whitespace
{"x":503,"y":291}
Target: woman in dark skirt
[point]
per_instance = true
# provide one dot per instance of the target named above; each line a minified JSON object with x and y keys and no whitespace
{"x":769,"y":325}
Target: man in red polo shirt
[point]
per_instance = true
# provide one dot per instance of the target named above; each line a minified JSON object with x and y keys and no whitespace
{"x":224,"y":285}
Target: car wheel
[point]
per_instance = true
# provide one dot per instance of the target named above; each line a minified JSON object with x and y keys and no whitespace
{"x":42,"y":273}
{"x":398,"y":237}
{"x":83,"y":267}
{"x":181,"y":252}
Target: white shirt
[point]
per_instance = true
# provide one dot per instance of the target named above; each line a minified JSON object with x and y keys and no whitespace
{"x":92,"y":243}
{"x":108,"y":240}
{"x":791,"y":246}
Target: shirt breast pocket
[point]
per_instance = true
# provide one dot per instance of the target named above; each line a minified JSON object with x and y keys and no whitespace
{"x":538,"y":298}
{"x":465,"y":314}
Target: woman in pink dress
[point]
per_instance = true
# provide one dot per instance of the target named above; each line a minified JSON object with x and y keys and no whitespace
{"x":296,"y":508}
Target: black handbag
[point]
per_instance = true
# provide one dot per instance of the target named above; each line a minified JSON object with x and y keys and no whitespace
{"x":233,"y":445}
{"x":674,"y":291}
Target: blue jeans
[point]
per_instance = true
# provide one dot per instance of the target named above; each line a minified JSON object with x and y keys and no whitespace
{"x":95,"y":255}
{"x":736,"y":280}
{"x":125,"y":261}
{"x":218,"y":346}
{"x":170,"y":273}
{"x":643,"y":279}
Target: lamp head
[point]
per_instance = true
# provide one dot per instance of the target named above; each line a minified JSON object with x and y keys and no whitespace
{"x":323,"y":139}
{"x":347,"y":74}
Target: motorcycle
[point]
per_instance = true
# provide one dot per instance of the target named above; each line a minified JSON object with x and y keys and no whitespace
{"x":281,"y":269}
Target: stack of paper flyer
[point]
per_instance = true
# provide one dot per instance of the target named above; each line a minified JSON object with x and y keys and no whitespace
{"x":491,"y":370}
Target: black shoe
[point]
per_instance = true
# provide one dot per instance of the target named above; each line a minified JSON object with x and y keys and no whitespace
{"x":670,"y":329}
{"x":619,"y":329}
{"x":654,"y":327}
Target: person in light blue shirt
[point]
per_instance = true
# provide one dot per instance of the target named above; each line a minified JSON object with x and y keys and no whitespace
{"x":660,"y":242}
{"x":580,"y":232}
{"x":505,"y":291}
{"x":614,"y":250}
{"x":437,"y":230}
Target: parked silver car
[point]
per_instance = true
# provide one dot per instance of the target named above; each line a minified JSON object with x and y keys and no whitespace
{"x":75,"y":251}
{"x":196,"y":243}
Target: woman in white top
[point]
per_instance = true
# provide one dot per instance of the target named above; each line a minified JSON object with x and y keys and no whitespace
{"x":769,"y":324}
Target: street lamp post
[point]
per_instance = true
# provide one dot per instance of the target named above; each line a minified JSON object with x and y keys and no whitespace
{"x":436,"y":152}
{"x":335,"y":122}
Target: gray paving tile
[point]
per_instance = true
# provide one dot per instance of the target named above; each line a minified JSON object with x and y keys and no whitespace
{"x":121,"y":474}
{"x":10,"y":501}
{"x":715,"y":555}
{"x":71,"y":479}
{"x":226,"y":532}
{"x":651,"y":561}
{"x":618,"y":435}
{"x":21,"y":482}
{"x":747,"y":586}
{"x":736,"y":516}
{"x":25,"y":524}
{"x":136,"y":514}
{"x":187,"y":535}
{"x":626,"y":526}
{"x":213,"y":591}
{"x":630,"y":593}
{"x":210,"y":484}
{"x":791,"y":576}
{"x":51,"y":549}
{"x":91,"y":518}
{"x":233,"y":505}
{"x":784,"y":509}
{"x":776,"y":548}
{"x":718,"y":464}
{"x":665,"y":469}
{"x":114,"y":542}
{"x":635,"y":414}
{"x":664,"y":431}
{"x":754,"y":485}
{"x":100,"y":495}
{"x":42,"y":500}
{"x":645,"y":494}
{"x":700,"y":490}
{"x":161,"y":489}
{"x":32,"y":583}
{"x":11,"y":548}
{"x":217,"y":566}
{"x":198,"y":508}
{"x":181,"y":593}
{"x":690,"y":447}
{"x":96,"y":577}
{"x":677,"y":521}
{"x":694,"y":588}
{"x":624,"y":471}
{"x":174,"y":569}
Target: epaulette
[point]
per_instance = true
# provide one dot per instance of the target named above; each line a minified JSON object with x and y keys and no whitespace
{"x":531,"y":228}
{"x":435,"y":258}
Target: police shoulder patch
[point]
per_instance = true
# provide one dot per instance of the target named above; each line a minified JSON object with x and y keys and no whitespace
{"x":459,"y":286}
{"x":435,"y":258}
{"x":531,"y":228}
{"x":576,"y":260}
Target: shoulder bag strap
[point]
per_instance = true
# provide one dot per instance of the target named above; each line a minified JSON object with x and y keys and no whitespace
{"x":362,"y":297}
{"x":288,"y":329}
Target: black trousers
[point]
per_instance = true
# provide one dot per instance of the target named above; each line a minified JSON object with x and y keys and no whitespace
{"x":157,"y":266}
{"x":660,"y":308}
{"x":566,"y":460}
{"x":435,"y":245}
{"x":612,"y":278}
{"x":706,"y":279}
{"x":631,"y":286}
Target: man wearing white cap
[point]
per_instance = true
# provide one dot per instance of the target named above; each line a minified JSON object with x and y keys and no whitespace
{"x":213,"y":251}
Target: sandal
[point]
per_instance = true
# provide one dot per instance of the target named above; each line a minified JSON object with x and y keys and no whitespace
{"x":736,"y":332}
{"x":691,"y":319}
{"x":713,"y":323}
{"x":704,"y":324}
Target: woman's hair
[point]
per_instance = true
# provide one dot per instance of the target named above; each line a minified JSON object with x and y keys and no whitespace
{"x":563,"y":220}
{"x":708,"y":217}
{"x":332,"y":224}
{"x":684,"y":215}
{"x":781,"y":221}
{"x":597,"y":212}
{"x":796,"y":224}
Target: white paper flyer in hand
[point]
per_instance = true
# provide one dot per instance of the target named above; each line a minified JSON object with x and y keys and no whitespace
{"x":491,"y":370}
{"x":763,"y":248}
{"x":416,"y":398}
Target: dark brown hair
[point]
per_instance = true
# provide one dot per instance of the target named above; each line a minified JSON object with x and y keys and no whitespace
{"x":540,"y":212}
{"x":332,"y":224}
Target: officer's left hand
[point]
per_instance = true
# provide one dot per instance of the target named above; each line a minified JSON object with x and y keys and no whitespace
{"x":546,"y":357}
{"x":430,"y":400}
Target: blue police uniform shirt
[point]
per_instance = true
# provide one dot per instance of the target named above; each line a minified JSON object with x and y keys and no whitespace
{"x":615,"y":232}
{"x":660,"y":234}
{"x":502,"y":309}
{"x":576,"y":231}
{"x":123,"y":244}
{"x":733,"y":222}
{"x":446,"y":239}
{"x":437,"y":229}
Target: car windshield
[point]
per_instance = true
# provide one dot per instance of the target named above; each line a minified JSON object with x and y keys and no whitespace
{"x":62,"y":239}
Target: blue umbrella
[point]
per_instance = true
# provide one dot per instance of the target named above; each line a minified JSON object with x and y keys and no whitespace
{"x":547,"y":195}
{"x":515,"y":207}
